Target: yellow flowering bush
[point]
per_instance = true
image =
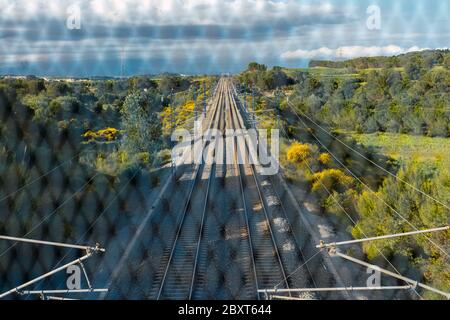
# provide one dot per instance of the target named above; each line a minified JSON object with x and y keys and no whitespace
{"x":298,"y":152}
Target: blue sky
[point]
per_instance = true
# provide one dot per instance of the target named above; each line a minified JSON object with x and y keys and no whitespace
{"x":207,"y":36}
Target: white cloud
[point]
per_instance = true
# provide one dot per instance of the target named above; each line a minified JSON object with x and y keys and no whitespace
{"x":175,"y":12}
{"x":348,"y":52}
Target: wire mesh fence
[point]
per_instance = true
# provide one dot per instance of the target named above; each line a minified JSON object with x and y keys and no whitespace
{"x":88,"y":161}
{"x":54,"y":187}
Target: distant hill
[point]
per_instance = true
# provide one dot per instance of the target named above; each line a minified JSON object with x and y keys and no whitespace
{"x":430,"y":58}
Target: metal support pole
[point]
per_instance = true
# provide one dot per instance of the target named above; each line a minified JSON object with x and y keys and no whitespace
{"x":335,"y":289}
{"x":253,"y":106}
{"x":17,"y":289}
{"x":54,"y":244}
{"x":195,"y":106}
{"x":172,"y":118}
{"x":85,"y":275}
{"x":45,"y":292}
{"x":335,"y":244}
{"x":284,"y":298}
{"x":387,"y":272}
{"x":204,"y":99}
{"x":245,"y":103}
{"x":57,"y":298}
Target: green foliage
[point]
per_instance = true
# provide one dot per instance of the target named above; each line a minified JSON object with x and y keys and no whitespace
{"x":258,"y":75}
{"x":142,"y":83}
{"x":141,"y":124}
{"x":108,"y":134}
{"x":331,"y":180}
{"x":406,"y":148}
{"x":35,"y":86}
{"x":395,"y":107}
{"x":406,"y":207}
{"x":429,"y":57}
{"x":58,"y":88}
{"x":415,"y":68}
{"x":171,"y":83}
{"x":254,"y":66}
{"x":447,"y":61}
{"x":177,"y":116}
{"x":413,"y":99}
{"x":41,"y":106}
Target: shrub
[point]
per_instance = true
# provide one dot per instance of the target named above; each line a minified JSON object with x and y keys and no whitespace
{"x":90,"y":135}
{"x":332,"y":180}
{"x":108,"y":134}
{"x":299,"y":153}
{"x":325,"y":159}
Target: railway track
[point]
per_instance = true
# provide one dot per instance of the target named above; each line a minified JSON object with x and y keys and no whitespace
{"x":290,"y":246}
{"x":176,"y":276}
{"x":225,"y":243}
{"x":268,"y":264}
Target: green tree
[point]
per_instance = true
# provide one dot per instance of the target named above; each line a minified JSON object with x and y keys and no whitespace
{"x":415,"y":67}
{"x":447,"y":61}
{"x":254,"y":66}
{"x":141,"y":123}
{"x":58,"y":88}
{"x":377,"y":215}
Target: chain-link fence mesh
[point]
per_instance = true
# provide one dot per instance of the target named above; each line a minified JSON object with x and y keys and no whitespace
{"x":88,"y":161}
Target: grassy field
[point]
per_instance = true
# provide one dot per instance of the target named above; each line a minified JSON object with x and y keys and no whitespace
{"x":323,"y":72}
{"x":405,"y":148}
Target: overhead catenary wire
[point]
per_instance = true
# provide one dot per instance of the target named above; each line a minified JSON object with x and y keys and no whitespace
{"x":27,"y":184}
{"x":305,"y":264}
{"x":392,"y":274}
{"x":284,"y":275}
{"x":391,"y":236}
{"x":372,"y":162}
{"x":365,"y":185}
{"x":140,"y":229}
{"x":98,"y":217}
{"x":436,"y":245}
{"x":350,"y":218}
{"x":46,"y":275}
{"x":356,"y":225}
{"x":51,"y":214}
{"x":299,"y":290}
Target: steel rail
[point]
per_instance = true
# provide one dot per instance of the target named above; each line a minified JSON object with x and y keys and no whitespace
{"x":261,"y":198}
{"x":283,"y":209}
{"x":205,"y":206}
{"x":247,"y":218}
{"x":185,"y":210}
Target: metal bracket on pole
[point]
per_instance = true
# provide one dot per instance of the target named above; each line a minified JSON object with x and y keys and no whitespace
{"x":324,"y":245}
{"x":85,"y":275}
{"x":44,"y":276}
{"x":44,"y":297}
{"x":95,"y":249}
{"x":300,"y":290}
{"x":44,"y":294}
{"x":204,"y":99}
{"x":332,"y":251}
{"x":88,"y":249}
{"x":412,"y":282}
